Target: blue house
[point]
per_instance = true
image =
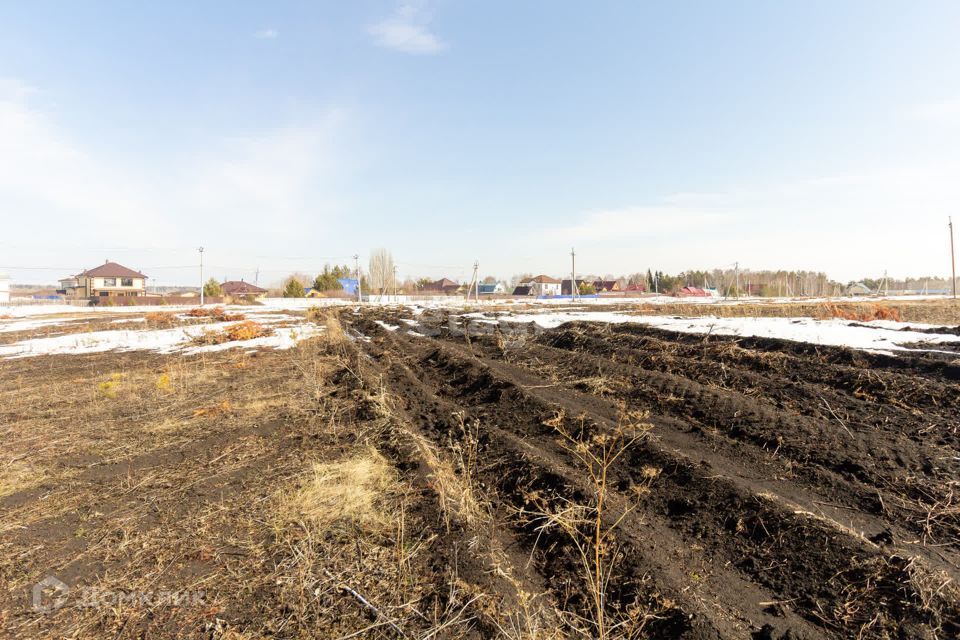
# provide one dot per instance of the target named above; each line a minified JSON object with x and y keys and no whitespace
{"x":349,"y":285}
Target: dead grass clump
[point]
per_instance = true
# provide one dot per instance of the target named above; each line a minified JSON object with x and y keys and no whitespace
{"x":334,"y":334}
{"x":245,"y":330}
{"x":216,"y":313}
{"x":161,"y":319}
{"x":354,"y":490}
{"x":861,"y":313}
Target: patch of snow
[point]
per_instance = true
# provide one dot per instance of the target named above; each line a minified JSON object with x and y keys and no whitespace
{"x":7,"y":326}
{"x":282,"y":338}
{"x":388,"y":327}
{"x":840,"y":333}
{"x":159,"y":340}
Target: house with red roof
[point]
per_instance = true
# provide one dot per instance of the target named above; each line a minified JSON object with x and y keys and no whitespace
{"x":109,"y":280}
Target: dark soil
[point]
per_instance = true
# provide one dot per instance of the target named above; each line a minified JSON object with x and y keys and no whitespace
{"x":790,"y":491}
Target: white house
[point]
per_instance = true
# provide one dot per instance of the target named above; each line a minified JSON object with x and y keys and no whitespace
{"x":4,"y":289}
{"x":542,"y":286}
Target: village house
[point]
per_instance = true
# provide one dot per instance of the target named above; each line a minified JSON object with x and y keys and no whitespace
{"x":239,"y":288}
{"x":109,"y":280}
{"x":606,"y":286}
{"x":567,"y":290}
{"x":541,"y":286}
{"x":490,"y":288}
{"x":445,"y":286}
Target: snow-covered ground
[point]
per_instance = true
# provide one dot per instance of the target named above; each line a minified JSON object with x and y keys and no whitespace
{"x":177,"y":339}
{"x":877,"y":336}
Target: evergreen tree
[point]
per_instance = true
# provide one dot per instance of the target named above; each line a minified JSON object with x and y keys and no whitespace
{"x":293,"y":289}
{"x":328,"y":280}
{"x":212,"y":289}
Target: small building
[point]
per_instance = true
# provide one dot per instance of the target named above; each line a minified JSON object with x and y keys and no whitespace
{"x":542,"y":286}
{"x":858,"y":289}
{"x":522,"y":290}
{"x":566,"y":290}
{"x":606,"y":286}
{"x":109,"y":280}
{"x":349,"y":285}
{"x":490,"y":288}
{"x":638,"y":287}
{"x":241,"y":289}
{"x":445,"y":286}
{"x":692,"y":292}
{"x":4,"y":289}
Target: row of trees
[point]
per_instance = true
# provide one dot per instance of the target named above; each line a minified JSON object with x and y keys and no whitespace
{"x":381,"y":278}
{"x":327,"y":280}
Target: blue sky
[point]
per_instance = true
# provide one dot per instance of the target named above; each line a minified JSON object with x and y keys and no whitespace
{"x":818,"y":135}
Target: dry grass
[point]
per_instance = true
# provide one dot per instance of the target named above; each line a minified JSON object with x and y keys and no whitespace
{"x":862,"y":313}
{"x":244,"y":330}
{"x":356,"y":490}
{"x":218,"y":314}
{"x":161,"y":319}
{"x":945,"y":312}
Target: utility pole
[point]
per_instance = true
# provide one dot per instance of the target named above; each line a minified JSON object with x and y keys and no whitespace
{"x":394,"y":282}
{"x":475,"y":282}
{"x":736,"y":268}
{"x":256,"y":277}
{"x":574,"y":290}
{"x":953,"y":261}
{"x":356,"y":259}
{"x":201,"y":275}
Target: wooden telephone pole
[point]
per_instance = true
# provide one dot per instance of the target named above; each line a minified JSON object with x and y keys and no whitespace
{"x":953,"y":261}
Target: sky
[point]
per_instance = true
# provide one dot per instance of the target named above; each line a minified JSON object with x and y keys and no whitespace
{"x":280,"y":136}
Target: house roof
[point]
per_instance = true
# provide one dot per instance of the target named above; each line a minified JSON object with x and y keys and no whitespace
{"x":542,"y":279}
{"x":239,"y":288}
{"x":521,"y":291}
{"x":441,"y":284}
{"x":487,"y":287}
{"x":111,"y":270}
{"x":608,"y":285}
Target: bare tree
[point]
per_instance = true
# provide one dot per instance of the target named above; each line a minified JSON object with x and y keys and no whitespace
{"x":381,"y":270}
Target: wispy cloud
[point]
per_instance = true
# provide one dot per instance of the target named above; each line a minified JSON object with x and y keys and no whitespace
{"x":636,"y":222}
{"x":407,"y":30}
{"x":941,"y":110}
{"x":266,"y":34}
{"x":51,"y":180}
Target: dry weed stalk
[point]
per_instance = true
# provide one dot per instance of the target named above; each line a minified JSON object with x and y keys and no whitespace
{"x":591,"y":527}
